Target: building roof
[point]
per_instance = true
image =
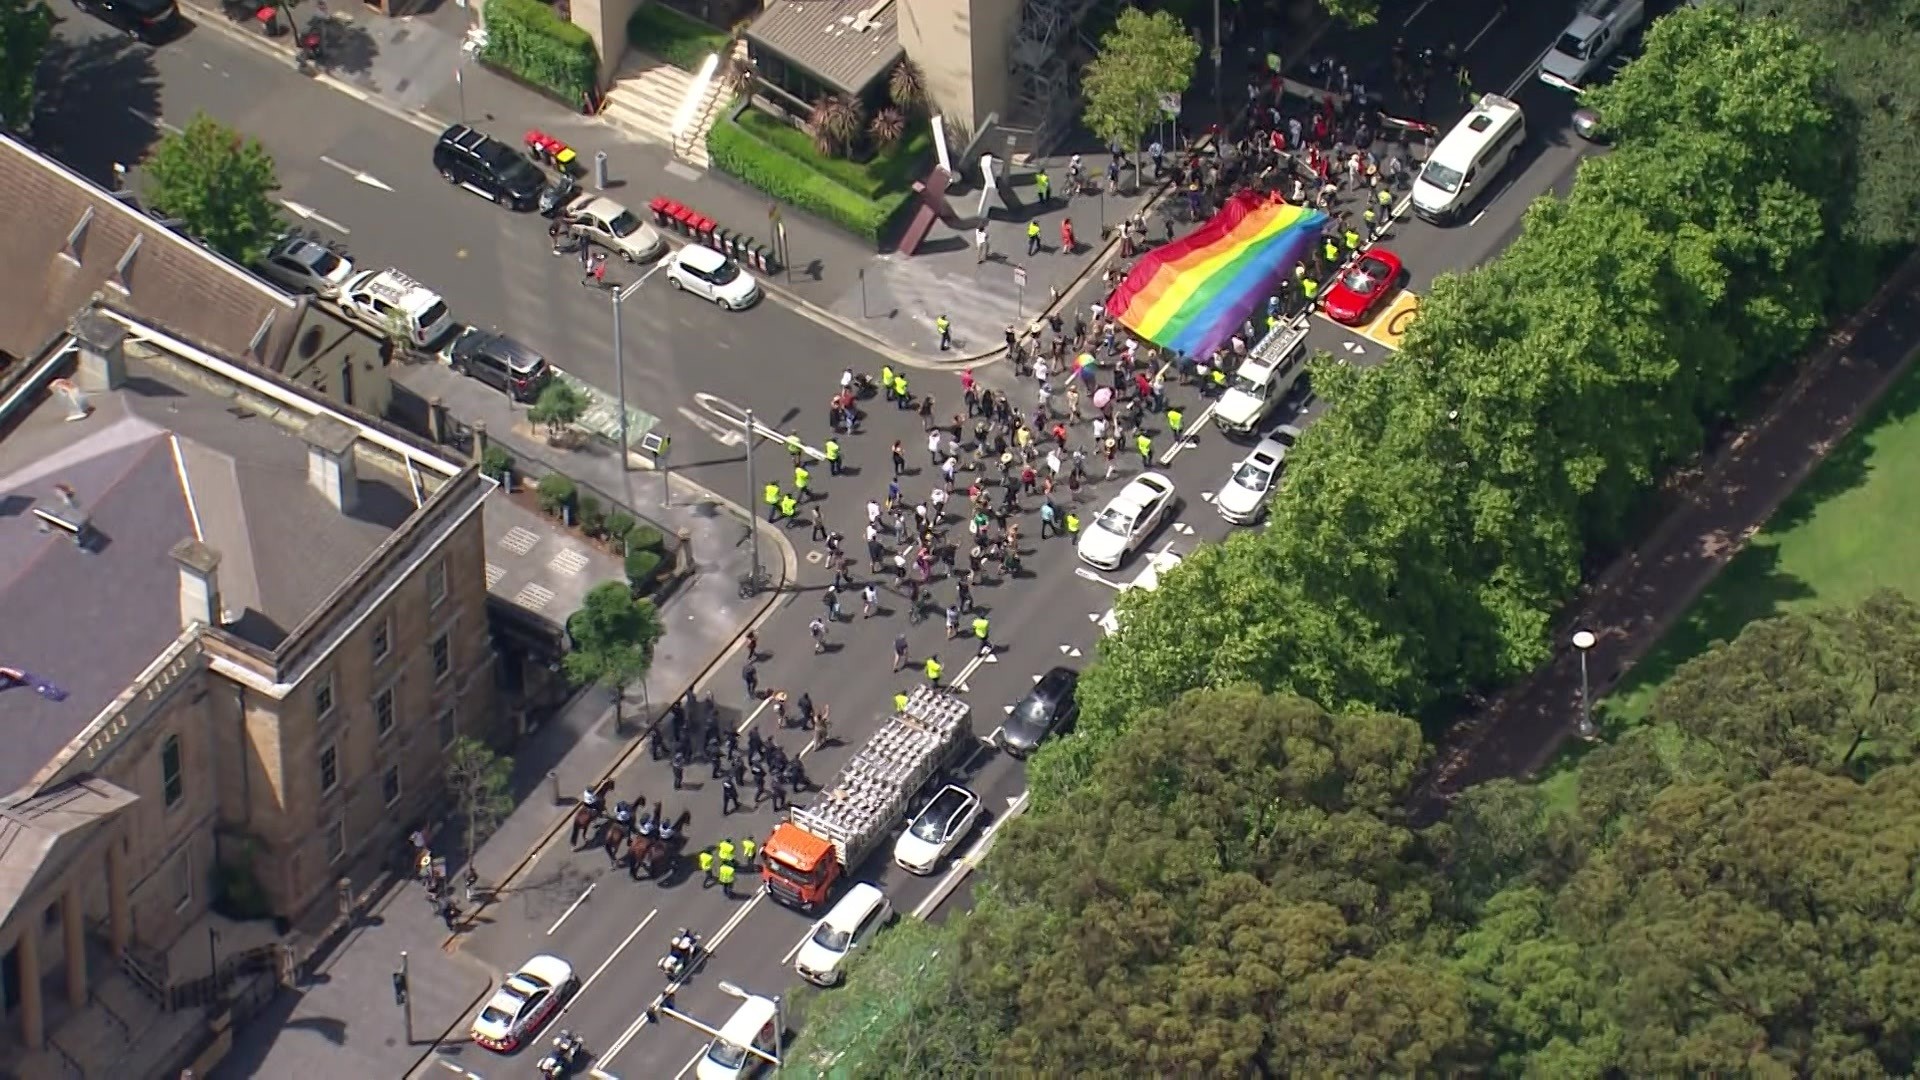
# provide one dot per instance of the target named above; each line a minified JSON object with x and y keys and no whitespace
{"x":169,"y":280}
{"x":39,"y":834}
{"x":846,"y":43}
{"x":162,"y":459}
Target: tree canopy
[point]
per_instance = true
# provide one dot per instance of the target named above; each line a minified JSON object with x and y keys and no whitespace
{"x":1142,"y":59}
{"x":220,"y":186}
{"x":613,"y":634}
{"x":26,"y":27}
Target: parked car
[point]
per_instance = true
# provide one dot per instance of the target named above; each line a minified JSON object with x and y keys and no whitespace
{"x":386,"y":300}
{"x":148,"y":21}
{"x":300,"y":265}
{"x":936,"y":830}
{"x":1363,"y":287}
{"x":526,"y":999}
{"x":614,"y":227}
{"x":1048,"y":707}
{"x":499,"y":361}
{"x":488,"y":167}
{"x":850,"y":925}
{"x":1126,"y":522}
{"x":710,"y":275}
{"x":1243,"y":500}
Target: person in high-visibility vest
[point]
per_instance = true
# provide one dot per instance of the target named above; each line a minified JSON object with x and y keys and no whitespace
{"x":724,"y":851}
{"x":1042,"y":185}
{"x":1174,"y":419}
{"x":1073,"y":523}
{"x":795,"y":449}
{"x":1352,"y":240}
{"x":725,"y":873}
{"x":900,"y":391}
{"x":771,"y":493}
{"x":1033,"y":238}
{"x":1372,"y":220}
{"x":945,"y":327}
{"x":933,"y":671}
{"x":1145,"y":446}
{"x":900,"y":701}
{"x":886,"y":380}
{"x":801,"y":478}
{"x":789,"y":506}
{"x":832,"y":452}
{"x":980,"y":629}
{"x":1331,"y":250}
{"x":706,"y":866}
{"x":1385,"y":198}
{"x":1310,"y":289}
{"x":747,"y":850}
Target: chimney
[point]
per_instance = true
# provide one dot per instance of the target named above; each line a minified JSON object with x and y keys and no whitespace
{"x":103,"y":352}
{"x":330,"y":463}
{"x":199,"y":583}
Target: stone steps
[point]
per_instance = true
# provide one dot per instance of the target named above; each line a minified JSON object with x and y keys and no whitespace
{"x":649,"y":93}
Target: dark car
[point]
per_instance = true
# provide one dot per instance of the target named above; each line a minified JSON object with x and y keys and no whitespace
{"x":150,"y":21}
{"x":1047,"y":708}
{"x":488,"y":167}
{"x":500,"y":362}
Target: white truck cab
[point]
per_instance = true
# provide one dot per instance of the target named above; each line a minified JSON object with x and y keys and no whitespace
{"x":1263,"y":381}
{"x":1593,"y":35}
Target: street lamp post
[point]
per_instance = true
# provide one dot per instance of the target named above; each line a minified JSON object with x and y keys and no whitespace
{"x":1583,"y":641}
{"x":779,"y":1024}
{"x":753,"y":522}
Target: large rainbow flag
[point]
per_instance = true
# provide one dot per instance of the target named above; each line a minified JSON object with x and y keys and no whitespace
{"x":1191,"y":295}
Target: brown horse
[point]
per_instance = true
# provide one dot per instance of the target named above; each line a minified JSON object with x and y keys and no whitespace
{"x":613,"y":837}
{"x":585,"y":814}
{"x":639,"y":856}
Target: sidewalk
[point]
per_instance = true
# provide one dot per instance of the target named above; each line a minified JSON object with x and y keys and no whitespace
{"x":403,"y":62}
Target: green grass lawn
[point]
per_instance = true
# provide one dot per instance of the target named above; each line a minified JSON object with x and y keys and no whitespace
{"x":1834,"y":541}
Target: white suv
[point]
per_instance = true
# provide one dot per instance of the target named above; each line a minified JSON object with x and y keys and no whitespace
{"x":1263,"y":381}
{"x":850,"y":925}
{"x":382,"y":299}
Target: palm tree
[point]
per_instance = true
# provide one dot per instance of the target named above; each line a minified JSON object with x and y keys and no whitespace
{"x":836,"y":121}
{"x":906,"y":86}
{"x":888,"y":125}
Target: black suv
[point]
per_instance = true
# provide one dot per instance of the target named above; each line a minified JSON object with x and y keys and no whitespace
{"x":149,"y":21}
{"x":500,"y":362}
{"x":487,"y":167}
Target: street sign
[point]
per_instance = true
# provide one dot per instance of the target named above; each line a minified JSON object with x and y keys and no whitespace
{"x":1020,"y":276}
{"x":1170,"y":104}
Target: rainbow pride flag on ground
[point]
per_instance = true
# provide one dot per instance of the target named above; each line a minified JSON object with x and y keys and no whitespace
{"x":1191,"y":295}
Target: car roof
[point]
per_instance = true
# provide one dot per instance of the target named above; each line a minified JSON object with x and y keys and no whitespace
{"x":857,"y":904}
{"x":300,"y":248}
{"x":399,"y":289}
{"x":1142,"y":489}
{"x":701,"y":258}
{"x":601,"y":207}
{"x":1583,"y":26}
{"x":548,"y":968}
{"x":1268,"y":454}
{"x":1056,"y":681}
{"x":942,"y":793}
{"x":744,"y":1025}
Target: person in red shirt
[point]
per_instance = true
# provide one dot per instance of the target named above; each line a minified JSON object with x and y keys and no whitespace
{"x":1067,"y":246}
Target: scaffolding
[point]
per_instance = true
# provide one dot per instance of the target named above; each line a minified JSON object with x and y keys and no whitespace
{"x":1048,"y":51}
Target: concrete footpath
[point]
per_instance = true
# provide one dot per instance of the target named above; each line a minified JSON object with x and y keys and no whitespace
{"x":342,"y":1019}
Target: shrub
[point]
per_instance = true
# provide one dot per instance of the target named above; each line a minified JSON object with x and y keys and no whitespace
{"x":644,"y":537}
{"x":890,"y":172}
{"x":794,"y":180}
{"x":887,"y":127}
{"x":593,"y":516}
{"x":680,"y":40}
{"x":906,"y":86}
{"x":496,"y":462}
{"x":643,"y":569}
{"x":529,"y":39}
{"x":836,"y":121}
{"x":619,"y":524}
{"x":556,"y":493}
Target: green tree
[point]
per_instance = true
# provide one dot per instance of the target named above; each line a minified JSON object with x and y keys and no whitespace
{"x":558,"y":406}
{"x":897,"y":1014}
{"x":219,"y":184}
{"x":481,"y":783}
{"x":1353,"y":12}
{"x":1530,"y":987}
{"x":1140,"y":61}
{"x":26,"y":27}
{"x":613,"y":637}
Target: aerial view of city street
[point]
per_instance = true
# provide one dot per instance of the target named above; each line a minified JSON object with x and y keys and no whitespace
{"x":872,"y":539}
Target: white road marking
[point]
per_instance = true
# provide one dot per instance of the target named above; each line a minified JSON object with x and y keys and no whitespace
{"x":458,"y":1071}
{"x":150,"y":119}
{"x":1416,"y":13}
{"x":965,"y":864}
{"x":308,"y":213}
{"x":737,"y":417}
{"x":359,"y":175}
{"x":973,"y":665}
{"x":1476,"y":219}
{"x":1081,"y":571}
{"x":1483,"y":33}
{"x":571,"y":908}
{"x":608,"y":962}
{"x":739,"y":917}
{"x":713,"y":429}
{"x":797,"y":946}
{"x":754,"y":715}
{"x":1526,"y":75}
{"x":712,"y":946}
{"x":691,"y":1062}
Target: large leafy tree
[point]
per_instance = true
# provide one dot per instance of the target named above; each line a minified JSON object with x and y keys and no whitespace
{"x":1143,"y":58}
{"x":219,"y":185}
{"x":613,"y":636}
{"x":898,"y":1014}
{"x":26,"y":26}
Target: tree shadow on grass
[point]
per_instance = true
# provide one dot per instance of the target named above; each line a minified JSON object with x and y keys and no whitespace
{"x":1850,"y":464}
{"x":93,"y":94}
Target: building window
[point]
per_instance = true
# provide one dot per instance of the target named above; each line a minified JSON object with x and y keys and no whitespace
{"x":171,"y":784}
{"x":390,"y":785}
{"x":329,"y":768}
{"x":382,"y":639}
{"x":442,"y":657}
{"x":383,"y":711}
{"x":183,"y":879}
{"x":336,"y":840}
{"x":437,"y":584}
{"x":323,"y":697}
{"x":447,"y":729}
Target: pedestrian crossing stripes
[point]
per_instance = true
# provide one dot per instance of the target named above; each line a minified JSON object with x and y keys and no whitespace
{"x":569,"y":561}
{"x":519,"y":540}
{"x":534,"y":597}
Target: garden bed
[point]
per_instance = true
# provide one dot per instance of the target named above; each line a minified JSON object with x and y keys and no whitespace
{"x":678,"y":38}
{"x":867,"y":199}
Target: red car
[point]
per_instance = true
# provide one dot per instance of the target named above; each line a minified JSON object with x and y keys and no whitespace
{"x":1359,"y":290}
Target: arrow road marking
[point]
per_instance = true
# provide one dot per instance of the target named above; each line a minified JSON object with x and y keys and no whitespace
{"x":736,"y":417}
{"x":308,"y":213}
{"x":359,"y":175}
{"x":713,"y":429}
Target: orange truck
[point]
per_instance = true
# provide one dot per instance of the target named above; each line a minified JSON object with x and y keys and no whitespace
{"x":807,"y":856}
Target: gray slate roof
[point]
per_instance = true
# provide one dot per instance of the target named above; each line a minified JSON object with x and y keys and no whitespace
{"x":819,"y":36}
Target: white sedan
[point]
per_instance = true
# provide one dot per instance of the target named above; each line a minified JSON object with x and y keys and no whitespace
{"x":710,"y":275}
{"x":1127,"y":521}
{"x":849,"y":926}
{"x":304,"y":266}
{"x":614,"y":227}
{"x":1244,"y":499}
{"x":937,"y":830}
{"x":526,"y":999}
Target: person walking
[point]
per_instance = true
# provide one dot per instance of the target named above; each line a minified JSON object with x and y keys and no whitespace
{"x":679,"y":766}
{"x":747,"y":850}
{"x":1068,"y":245}
{"x":1072,"y":524}
{"x":1033,"y":238}
{"x":1145,"y":445}
{"x":1042,"y":187}
{"x":933,"y":671}
{"x":980,"y":243}
{"x":818,"y":628}
{"x":832,"y":452}
{"x":1174,"y":420}
{"x":869,"y":600}
{"x":981,"y":627}
{"x":944,"y":326}
{"x":789,"y":506}
{"x":729,"y":795}
{"x":725,"y":872}
{"x":899,"y":651}
{"x":801,"y":481}
{"x":706,"y":868}
{"x":750,"y":675}
{"x":771,"y":496}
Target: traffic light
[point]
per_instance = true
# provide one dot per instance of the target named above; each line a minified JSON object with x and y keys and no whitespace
{"x":399,"y":988}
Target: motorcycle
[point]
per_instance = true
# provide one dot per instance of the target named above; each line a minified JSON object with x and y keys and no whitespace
{"x":681,"y":955}
{"x":310,"y":49}
{"x":560,"y":1061}
{"x":556,"y":196}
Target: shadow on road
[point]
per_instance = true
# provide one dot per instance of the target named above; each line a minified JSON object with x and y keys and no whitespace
{"x":90,"y":94}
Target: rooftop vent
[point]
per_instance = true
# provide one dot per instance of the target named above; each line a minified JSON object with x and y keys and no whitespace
{"x":103,"y":352}
{"x":331,"y":469}
{"x":122,"y":279}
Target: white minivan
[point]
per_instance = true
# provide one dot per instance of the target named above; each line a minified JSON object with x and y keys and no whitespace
{"x":1463,"y":166}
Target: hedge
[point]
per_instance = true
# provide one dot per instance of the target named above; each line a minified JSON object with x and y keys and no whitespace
{"x":738,"y":153}
{"x":527,"y":38}
{"x":891,"y":171}
{"x":643,"y":570}
{"x":680,"y":40}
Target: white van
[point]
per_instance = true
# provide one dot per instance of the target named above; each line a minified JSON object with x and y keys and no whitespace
{"x":1463,"y":166}
{"x":756,"y":1024}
